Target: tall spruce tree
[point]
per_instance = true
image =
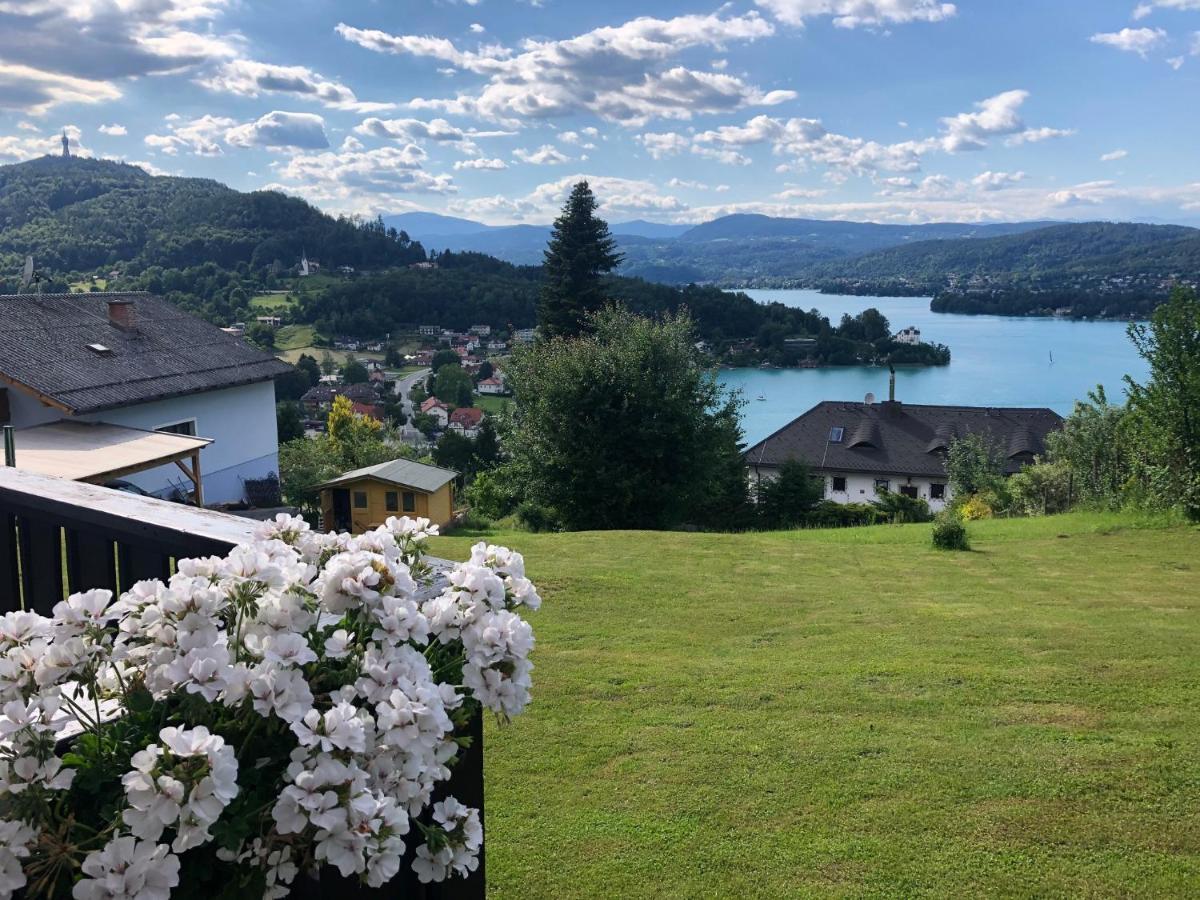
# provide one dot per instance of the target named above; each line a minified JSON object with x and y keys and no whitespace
{"x":581,"y":251}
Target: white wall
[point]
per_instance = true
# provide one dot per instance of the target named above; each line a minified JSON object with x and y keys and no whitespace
{"x":861,"y":488}
{"x":240,"y":421}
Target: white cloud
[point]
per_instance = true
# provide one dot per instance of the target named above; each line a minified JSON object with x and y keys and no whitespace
{"x":113,"y":130}
{"x":1146,"y":8}
{"x":250,"y":78}
{"x":616,"y":196}
{"x":412,"y":130}
{"x":201,"y":136}
{"x":15,"y":149}
{"x":1114,"y":155}
{"x":358,"y":180}
{"x":67,"y":51}
{"x":305,"y":131}
{"x":481,"y":163}
{"x":476,"y":28}
{"x":621,"y":73}
{"x":1132,"y":40}
{"x":995,"y":181}
{"x":1036,"y":135}
{"x":545,"y":155}
{"x":996,"y":115}
{"x":663,"y":144}
{"x":856,"y":13}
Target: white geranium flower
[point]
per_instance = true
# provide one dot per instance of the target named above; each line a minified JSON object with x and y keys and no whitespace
{"x":337,"y":644}
{"x":128,"y":869}
{"x":15,"y":838}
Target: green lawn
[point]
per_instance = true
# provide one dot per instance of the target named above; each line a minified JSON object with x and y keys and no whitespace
{"x":492,"y":404}
{"x":294,"y":337}
{"x":851,"y":713}
{"x":265,"y":304}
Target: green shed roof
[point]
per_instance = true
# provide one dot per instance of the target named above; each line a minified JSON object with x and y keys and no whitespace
{"x":401,"y":472}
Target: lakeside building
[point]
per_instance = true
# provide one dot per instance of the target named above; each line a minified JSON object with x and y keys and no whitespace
{"x":861,"y":450}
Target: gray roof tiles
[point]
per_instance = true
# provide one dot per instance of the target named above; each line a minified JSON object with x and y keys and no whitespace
{"x":901,"y":439}
{"x":167,"y":353}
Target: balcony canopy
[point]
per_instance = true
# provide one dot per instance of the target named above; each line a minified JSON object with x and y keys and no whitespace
{"x":99,"y":452}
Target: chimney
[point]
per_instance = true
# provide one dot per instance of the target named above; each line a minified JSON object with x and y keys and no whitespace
{"x":891,"y":384}
{"x":122,"y":312}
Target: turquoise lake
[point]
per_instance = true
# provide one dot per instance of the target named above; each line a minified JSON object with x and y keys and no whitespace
{"x":995,"y":361}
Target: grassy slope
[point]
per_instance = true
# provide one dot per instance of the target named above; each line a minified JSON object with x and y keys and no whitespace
{"x":853,"y":713}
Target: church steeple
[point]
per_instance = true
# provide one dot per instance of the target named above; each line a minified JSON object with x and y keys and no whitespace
{"x":66,"y":142}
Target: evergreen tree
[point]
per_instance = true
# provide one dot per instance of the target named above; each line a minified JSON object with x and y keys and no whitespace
{"x":581,"y":251}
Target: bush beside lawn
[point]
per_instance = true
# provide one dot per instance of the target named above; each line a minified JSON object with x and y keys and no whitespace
{"x":852,"y":712}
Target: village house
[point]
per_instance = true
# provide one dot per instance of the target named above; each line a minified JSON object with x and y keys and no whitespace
{"x":525,"y":335}
{"x":364,"y":499}
{"x":493,"y":386}
{"x":909,"y":335}
{"x":466,"y":421}
{"x":429,"y":330}
{"x":105,"y":386}
{"x":861,"y":450}
{"x":370,"y":410}
{"x":432,"y":406}
{"x":497,"y":346}
{"x":481,"y":330}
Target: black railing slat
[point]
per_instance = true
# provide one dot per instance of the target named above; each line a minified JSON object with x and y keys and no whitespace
{"x":139,"y":562}
{"x":41,"y":564}
{"x":10,"y":588}
{"x":90,"y":561}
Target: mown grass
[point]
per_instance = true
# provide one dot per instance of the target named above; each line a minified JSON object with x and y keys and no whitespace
{"x":294,"y":337}
{"x":852,"y":713}
{"x":492,"y":404}
{"x":270,"y":303}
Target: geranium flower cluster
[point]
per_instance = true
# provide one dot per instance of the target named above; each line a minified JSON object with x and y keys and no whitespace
{"x":324,"y":672}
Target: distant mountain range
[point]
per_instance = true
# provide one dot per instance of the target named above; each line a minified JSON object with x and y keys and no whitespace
{"x":738,"y":249}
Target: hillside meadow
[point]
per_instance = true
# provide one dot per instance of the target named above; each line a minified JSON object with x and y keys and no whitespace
{"x":852,"y":713}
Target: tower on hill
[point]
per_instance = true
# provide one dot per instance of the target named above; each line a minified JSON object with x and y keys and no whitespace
{"x":66,"y":142}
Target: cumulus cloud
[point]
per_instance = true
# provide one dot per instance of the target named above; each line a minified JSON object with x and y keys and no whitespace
{"x":65,"y":51}
{"x":250,"y":78}
{"x":113,"y":130}
{"x":994,"y":181}
{"x":616,"y":197}
{"x":411,"y":130}
{"x":481,"y":163}
{"x":357,"y":180}
{"x":1132,"y":40}
{"x":1114,"y":155}
{"x":305,"y":131}
{"x":663,"y":144}
{"x":996,"y":115}
{"x":15,"y":149}
{"x":545,"y":155}
{"x":856,"y":13}
{"x":621,"y":73}
{"x":200,"y":137}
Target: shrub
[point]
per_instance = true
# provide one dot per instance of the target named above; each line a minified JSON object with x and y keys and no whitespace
{"x":785,"y":500}
{"x":949,"y":532}
{"x":491,"y":495}
{"x":828,"y":514}
{"x":976,"y":507}
{"x":535,"y":517}
{"x":899,"y":509}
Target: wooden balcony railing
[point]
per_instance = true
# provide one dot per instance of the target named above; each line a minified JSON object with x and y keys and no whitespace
{"x":58,"y":537}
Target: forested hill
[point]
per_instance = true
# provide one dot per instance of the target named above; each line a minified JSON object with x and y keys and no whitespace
{"x":76,"y":215}
{"x":1056,"y":253}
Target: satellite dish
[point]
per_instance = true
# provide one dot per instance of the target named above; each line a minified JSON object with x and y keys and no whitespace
{"x":27,"y":272}
{"x":869,"y":399}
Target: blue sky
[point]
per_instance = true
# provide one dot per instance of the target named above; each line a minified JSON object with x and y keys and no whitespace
{"x":883,"y":110}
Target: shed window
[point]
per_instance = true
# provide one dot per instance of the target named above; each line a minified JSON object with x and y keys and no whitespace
{"x":882,"y":484}
{"x":937,"y":491}
{"x":360,"y":499}
{"x":410,"y":501}
{"x":839,"y":484}
{"x":392,"y":501}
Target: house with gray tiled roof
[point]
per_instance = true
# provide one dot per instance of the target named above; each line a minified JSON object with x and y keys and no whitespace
{"x":136,"y":362}
{"x":860,"y":450}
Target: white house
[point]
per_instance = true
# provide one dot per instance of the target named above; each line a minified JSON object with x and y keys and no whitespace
{"x":861,"y":450}
{"x":525,"y":335}
{"x":432,"y":406}
{"x":134,"y":361}
{"x":909,"y":335}
{"x":493,"y":386}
